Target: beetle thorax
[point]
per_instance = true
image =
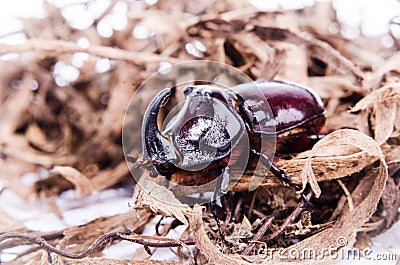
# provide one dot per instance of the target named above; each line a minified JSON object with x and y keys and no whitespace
{"x":198,"y":139}
{"x":203,"y":127}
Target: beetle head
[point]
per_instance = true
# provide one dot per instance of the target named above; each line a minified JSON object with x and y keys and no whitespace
{"x":201,"y":130}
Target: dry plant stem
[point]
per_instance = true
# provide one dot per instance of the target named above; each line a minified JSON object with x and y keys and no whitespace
{"x":236,"y":212}
{"x":43,"y":243}
{"x":99,"y":241}
{"x":347,"y":193}
{"x":71,"y":47}
{"x":48,"y":237}
{"x":147,"y":240}
{"x":260,"y":233}
{"x":228,"y":212}
{"x":252,"y":203}
{"x":290,"y":219}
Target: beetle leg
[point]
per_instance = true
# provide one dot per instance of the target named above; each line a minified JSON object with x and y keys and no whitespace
{"x":280,"y":174}
{"x":156,"y":147}
{"x":283,"y":177}
{"x":213,"y":208}
{"x":276,"y":171}
{"x":220,"y":189}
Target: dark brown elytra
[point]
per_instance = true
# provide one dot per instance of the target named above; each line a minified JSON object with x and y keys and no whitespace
{"x":292,"y":113}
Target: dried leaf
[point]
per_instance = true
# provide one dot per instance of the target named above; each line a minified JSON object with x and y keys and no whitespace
{"x":159,"y":200}
{"x":384,"y":104}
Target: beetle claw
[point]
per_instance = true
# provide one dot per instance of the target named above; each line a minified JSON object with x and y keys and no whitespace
{"x":278,"y":172}
{"x":156,"y":147}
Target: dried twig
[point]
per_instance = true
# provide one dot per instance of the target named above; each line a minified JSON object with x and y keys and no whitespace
{"x":127,"y":235}
{"x":347,"y":193}
{"x":62,"y":46}
{"x":290,"y":219}
{"x":260,"y":233}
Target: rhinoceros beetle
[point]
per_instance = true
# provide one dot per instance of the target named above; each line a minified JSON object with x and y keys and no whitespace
{"x":195,"y":146}
{"x":295,"y":115}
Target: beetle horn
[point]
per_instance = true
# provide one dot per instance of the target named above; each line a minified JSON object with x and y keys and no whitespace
{"x":156,"y":146}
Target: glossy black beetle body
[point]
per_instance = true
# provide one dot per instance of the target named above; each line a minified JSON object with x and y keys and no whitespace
{"x":205,"y":132}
